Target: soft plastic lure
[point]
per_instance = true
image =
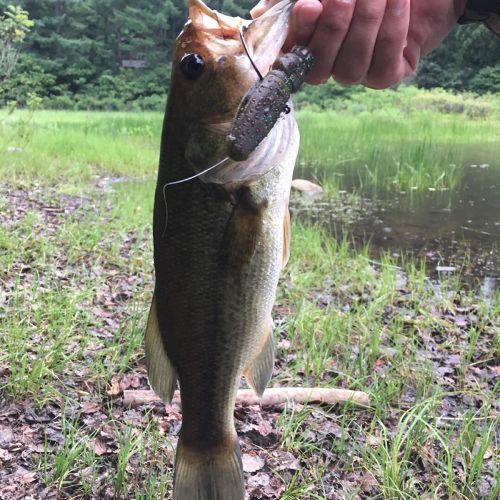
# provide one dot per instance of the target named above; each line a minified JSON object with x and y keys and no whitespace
{"x":266,"y":100}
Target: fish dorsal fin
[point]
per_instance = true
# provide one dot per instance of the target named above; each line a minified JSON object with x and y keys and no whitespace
{"x":161,"y":372}
{"x":210,"y":21}
{"x":258,"y":372}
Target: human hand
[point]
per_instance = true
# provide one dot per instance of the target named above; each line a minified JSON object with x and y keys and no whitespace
{"x":373,"y":42}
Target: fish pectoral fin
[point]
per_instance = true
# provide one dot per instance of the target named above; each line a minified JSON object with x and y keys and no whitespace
{"x":242,"y":233}
{"x":258,"y":372}
{"x":161,"y":372}
{"x":208,"y":474}
{"x":287,"y":233}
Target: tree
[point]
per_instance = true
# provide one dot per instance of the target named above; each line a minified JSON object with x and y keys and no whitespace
{"x":14,"y":26}
{"x":455,"y":64}
{"x":111,"y":54}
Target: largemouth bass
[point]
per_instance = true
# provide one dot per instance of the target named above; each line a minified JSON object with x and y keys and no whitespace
{"x":220,"y":242}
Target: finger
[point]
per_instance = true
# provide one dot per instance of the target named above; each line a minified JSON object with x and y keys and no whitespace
{"x":328,"y":37}
{"x":355,"y":56}
{"x":303,"y":21}
{"x":262,"y":6}
{"x":388,"y":65}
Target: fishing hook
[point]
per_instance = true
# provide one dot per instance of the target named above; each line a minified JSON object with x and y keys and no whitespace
{"x":247,"y":52}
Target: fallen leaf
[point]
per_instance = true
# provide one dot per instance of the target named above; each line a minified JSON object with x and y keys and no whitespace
{"x":24,"y":475}
{"x":460,"y":320}
{"x":90,"y":407}
{"x":130,"y":380}
{"x":252,"y":462}
{"x":286,"y":461}
{"x":373,"y":441}
{"x":6,"y":435}
{"x":115,"y":388}
{"x":99,"y":446}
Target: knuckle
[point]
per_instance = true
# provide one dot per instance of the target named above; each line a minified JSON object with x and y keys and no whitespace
{"x":348,"y":76}
{"x":370,"y":12}
{"x":379,"y":83}
{"x":333,"y":26}
{"x":395,"y":40}
{"x":318,"y":76}
{"x":383,"y":79}
{"x":336,"y":16}
{"x":397,"y":7}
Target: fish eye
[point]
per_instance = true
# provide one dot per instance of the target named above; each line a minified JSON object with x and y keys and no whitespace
{"x":192,"y":66}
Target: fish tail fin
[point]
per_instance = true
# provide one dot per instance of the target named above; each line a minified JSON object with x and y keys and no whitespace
{"x":208,"y":476}
{"x":161,"y":372}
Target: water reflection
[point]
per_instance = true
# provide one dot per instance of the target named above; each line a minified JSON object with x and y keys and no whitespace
{"x":453,"y":231}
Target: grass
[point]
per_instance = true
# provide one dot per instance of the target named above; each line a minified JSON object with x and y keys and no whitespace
{"x":406,"y":144}
{"x":407,"y":140}
{"x":76,"y":269}
{"x":77,"y":146}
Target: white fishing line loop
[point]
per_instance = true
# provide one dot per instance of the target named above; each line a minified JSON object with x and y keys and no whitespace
{"x":173,"y":183}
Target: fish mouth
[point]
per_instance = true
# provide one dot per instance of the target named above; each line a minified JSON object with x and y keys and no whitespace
{"x":266,"y":34}
{"x":264,"y":37}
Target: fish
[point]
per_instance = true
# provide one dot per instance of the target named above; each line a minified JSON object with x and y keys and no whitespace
{"x":221,"y":240}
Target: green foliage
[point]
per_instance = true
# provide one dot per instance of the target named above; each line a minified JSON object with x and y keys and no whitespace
{"x":102,"y":54}
{"x":330,"y":95}
{"x":455,"y":64}
{"x":114,"y":54}
{"x":14,"y":26}
{"x":487,"y":80}
{"x":28,"y":77}
{"x":393,"y":102}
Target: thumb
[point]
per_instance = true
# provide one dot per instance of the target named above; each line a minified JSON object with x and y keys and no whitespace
{"x":262,"y":6}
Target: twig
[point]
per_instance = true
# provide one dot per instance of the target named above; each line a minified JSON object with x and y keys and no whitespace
{"x":478,"y":231}
{"x":474,"y":419}
{"x":272,"y":396}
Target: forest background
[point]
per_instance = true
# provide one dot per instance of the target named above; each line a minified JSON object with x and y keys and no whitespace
{"x":114,"y":55}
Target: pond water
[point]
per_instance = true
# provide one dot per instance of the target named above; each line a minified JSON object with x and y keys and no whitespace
{"x":452,"y":231}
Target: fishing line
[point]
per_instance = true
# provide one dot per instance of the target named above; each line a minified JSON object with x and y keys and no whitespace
{"x":181,"y":181}
{"x":198,"y":174}
{"x":244,"y":43}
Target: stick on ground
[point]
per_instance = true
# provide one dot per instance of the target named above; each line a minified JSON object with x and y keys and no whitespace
{"x":272,"y":396}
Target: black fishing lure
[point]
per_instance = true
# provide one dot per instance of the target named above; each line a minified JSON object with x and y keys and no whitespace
{"x":266,"y":100}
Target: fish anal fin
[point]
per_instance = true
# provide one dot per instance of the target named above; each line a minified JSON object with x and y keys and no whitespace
{"x":258,"y":372}
{"x":161,"y":372}
{"x":287,"y":233}
{"x":208,"y":475}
